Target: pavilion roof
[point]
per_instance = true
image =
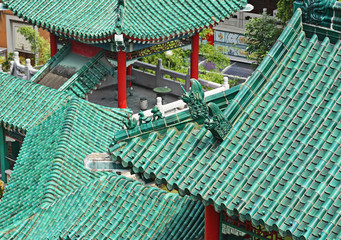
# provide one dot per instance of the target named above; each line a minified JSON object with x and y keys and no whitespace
{"x":83,"y":81}
{"x":146,"y":20}
{"x":280,"y":164}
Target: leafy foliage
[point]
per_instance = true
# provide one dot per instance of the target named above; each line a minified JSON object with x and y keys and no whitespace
{"x":210,"y":53}
{"x":2,"y":188}
{"x":179,"y":60}
{"x":6,"y":63}
{"x":38,"y":43}
{"x":284,"y":10}
{"x":261,"y":34}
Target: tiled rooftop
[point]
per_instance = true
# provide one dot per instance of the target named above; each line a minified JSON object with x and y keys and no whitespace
{"x":165,"y":20}
{"x":279,"y":165}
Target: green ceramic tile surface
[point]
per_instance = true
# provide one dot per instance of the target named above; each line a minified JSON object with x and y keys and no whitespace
{"x":101,"y":19}
{"x":24,"y":104}
{"x":280,"y":164}
{"x":114,"y":207}
{"x":52,"y":195}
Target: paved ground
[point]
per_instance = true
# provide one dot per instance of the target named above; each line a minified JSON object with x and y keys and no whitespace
{"x":239,"y":69}
{"x":106,"y":97}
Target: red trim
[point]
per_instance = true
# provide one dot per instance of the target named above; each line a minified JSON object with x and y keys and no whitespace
{"x":211,"y":223}
{"x":195,"y":56}
{"x":83,"y":49}
{"x":53,"y":44}
{"x":122,"y":78}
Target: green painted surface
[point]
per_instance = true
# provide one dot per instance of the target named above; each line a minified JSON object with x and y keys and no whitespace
{"x":280,"y":164}
{"x":148,"y":19}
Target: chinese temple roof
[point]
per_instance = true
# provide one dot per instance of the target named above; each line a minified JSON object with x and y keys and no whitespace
{"x":114,"y":207}
{"x":279,"y":163}
{"x":147,"y":20}
{"x":50,"y":191}
{"x":58,"y":74}
{"x":24,"y":104}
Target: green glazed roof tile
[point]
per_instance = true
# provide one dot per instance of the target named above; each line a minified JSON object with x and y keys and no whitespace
{"x":52,"y":195}
{"x":114,"y":207}
{"x":143,"y":20}
{"x":279,"y":166}
{"x":25,"y":104}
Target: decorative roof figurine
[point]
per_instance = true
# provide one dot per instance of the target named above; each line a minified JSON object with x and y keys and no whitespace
{"x":195,"y":100}
{"x":219,"y":125}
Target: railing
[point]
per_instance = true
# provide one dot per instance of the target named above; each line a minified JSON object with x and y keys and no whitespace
{"x":19,"y":70}
{"x":178,"y":106}
{"x":159,"y":78}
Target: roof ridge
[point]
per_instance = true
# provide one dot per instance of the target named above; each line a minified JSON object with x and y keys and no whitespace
{"x":63,"y":143}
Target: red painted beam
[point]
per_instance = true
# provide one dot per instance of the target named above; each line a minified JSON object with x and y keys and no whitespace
{"x":84,"y":50}
{"x":211,"y":223}
{"x":53,"y":44}
{"x":195,"y":56}
{"x":122,"y":78}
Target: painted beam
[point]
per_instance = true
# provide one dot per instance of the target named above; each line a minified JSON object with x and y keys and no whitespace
{"x":212,"y":219}
{"x":195,"y":57}
{"x":53,"y":44}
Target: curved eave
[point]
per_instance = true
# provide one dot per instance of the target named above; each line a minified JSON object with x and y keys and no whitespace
{"x":108,"y":36}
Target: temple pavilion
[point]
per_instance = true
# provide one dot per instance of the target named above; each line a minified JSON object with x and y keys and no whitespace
{"x":120,"y":31}
{"x":264,"y":157}
{"x":50,"y":194}
{"x":258,"y":161}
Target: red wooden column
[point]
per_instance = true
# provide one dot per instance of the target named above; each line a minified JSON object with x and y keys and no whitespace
{"x":211,"y":223}
{"x":53,"y":44}
{"x":195,"y":56}
{"x":129,"y":69}
{"x":122,"y":78}
{"x":129,"y":73}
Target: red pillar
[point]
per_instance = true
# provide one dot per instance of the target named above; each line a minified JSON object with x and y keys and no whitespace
{"x":129,"y":73}
{"x":53,"y":44}
{"x":195,"y":56}
{"x":122,"y":78}
{"x":211,"y":223}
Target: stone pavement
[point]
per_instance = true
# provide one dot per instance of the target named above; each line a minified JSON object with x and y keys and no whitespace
{"x":105,"y":96}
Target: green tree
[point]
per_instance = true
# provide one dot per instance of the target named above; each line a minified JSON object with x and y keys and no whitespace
{"x":179,"y":60}
{"x":261,"y":34}
{"x":39,"y":45}
{"x":284,"y":10}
